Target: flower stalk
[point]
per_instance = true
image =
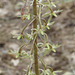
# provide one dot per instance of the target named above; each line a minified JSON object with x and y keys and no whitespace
{"x":35,"y":39}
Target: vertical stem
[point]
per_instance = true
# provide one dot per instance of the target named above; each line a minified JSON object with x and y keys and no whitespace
{"x":35,"y":38}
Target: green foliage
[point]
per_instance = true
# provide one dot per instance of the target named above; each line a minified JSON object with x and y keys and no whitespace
{"x":44,"y":46}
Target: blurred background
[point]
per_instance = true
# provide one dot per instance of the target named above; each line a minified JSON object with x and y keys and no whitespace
{"x":62,"y":32}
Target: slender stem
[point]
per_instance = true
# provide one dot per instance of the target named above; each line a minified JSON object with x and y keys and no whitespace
{"x":35,"y":36}
{"x":26,"y":26}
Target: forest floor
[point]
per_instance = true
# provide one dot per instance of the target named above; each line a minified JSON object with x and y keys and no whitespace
{"x":62,"y":32}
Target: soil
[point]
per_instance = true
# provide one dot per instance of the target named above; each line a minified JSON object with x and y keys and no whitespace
{"x":62,"y":32}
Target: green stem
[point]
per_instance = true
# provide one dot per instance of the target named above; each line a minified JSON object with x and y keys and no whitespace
{"x":35,"y":37}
